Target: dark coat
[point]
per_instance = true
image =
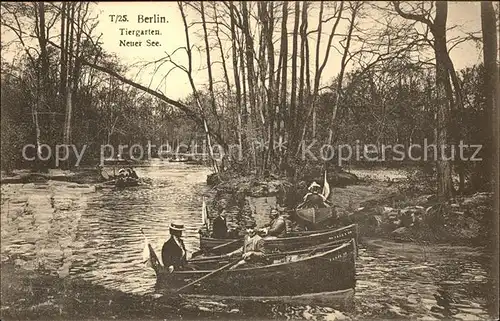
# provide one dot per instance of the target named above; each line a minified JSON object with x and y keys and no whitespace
{"x":219,"y":227}
{"x":171,"y":253}
{"x":314,"y":200}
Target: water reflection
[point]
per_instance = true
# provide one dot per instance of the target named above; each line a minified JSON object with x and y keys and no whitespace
{"x":438,"y":282}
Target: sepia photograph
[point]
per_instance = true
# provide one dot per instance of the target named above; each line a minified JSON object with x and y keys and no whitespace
{"x":250,"y":160}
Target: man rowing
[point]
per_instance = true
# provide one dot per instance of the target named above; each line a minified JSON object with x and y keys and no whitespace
{"x":219,"y":226}
{"x":314,"y":198}
{"x":252,"y":250}
{"x":173,"y":252}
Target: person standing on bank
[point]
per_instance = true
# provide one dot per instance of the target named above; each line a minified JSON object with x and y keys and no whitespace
{"x":219,"y":226}
{"x":173,"y":252}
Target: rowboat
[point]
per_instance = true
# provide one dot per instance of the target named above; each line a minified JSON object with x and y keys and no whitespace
{"x":127,"y":182}
{"x":315,"y":216}
{"x":324,"y":274}
{"x":293,"y":241}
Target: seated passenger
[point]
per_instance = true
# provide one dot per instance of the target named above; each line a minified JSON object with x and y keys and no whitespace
{"x":314,"y":199}
{"x":173,"y":252}
{"x":277,"y":226}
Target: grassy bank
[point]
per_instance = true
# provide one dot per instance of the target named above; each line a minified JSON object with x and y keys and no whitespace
{"x":40,"y":295}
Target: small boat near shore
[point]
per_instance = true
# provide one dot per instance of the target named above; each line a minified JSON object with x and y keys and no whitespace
{"x":126,"y":182}
{"x":292,"y":241}
{"x":323,"y":274}
{"x":194,"y":162}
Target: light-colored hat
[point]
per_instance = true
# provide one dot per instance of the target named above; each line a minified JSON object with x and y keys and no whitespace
{"x":313,"y":185}
{"x":177,"y":227}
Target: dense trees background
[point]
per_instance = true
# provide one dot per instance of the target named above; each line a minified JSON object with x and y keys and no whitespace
{"x":266,"y":83}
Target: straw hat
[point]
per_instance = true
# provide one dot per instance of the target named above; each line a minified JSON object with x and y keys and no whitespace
{"x":314,"y":185}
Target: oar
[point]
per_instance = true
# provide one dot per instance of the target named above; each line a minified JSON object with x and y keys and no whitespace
{"x":208,"y":275}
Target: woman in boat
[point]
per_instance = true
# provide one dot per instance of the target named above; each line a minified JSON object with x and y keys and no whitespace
{"x":253,"y":250}
{"x":314,"y":199}
{"x":173,"y":252}
{"x":219,"y":226}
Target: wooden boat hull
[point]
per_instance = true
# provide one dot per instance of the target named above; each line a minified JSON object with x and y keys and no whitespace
{"x":330,"y":272}
{"x":308,"y":238}
{"x":315,"y":216}
{"x":194,"y":162}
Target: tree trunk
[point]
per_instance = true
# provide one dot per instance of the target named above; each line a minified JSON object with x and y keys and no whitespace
{"x":340,"y":79}
{"x":444,"y":186}
{"x":489,"y":169}
{"x":69,"y":84}
{"x":251,"y":134}
{"x":271,"y":96}
{"x":284,"y":72}
{"x":43,"y":86}
{"x":64,"y":72}
{"x":303,"y":62}
{"x":483,"y":178}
